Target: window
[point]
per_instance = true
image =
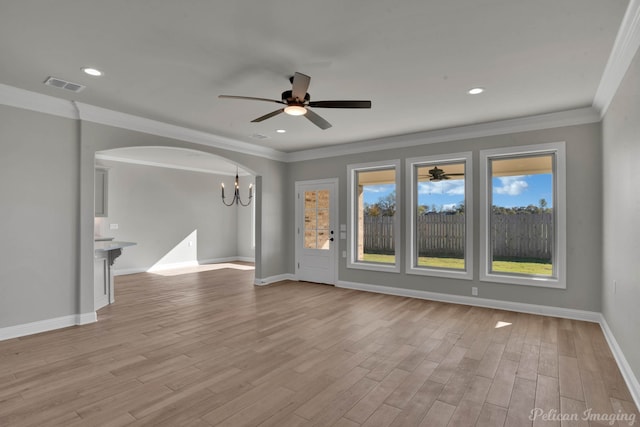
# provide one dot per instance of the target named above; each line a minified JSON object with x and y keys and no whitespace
{"x":374,"y":216}
{"x":439,"y":221}
{"x":523,"y":215}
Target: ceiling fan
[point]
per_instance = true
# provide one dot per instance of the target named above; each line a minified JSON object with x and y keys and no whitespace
{"x":298,"y":101}
{"x":437,"y":174}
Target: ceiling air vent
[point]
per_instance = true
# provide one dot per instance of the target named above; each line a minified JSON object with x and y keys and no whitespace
{"x":259,"y":136}
{"x":63,"y":84}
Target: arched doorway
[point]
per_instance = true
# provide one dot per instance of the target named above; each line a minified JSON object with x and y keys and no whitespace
{"x":168,"y":201}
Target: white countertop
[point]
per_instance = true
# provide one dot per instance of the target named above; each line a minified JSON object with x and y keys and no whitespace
{"x":110,"y":246}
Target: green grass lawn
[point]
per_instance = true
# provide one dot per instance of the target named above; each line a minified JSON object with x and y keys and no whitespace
{"x":457,"y":263}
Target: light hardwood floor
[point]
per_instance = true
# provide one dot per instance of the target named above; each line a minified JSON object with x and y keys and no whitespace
{"x":208,"y":348}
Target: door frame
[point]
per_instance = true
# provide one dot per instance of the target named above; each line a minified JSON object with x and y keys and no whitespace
{"x":333,"y":185}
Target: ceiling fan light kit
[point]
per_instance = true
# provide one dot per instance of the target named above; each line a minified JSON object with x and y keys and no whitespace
{"x":295,"y":110}
{"x":298,"y":101}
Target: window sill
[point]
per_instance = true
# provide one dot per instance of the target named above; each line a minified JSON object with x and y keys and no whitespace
{"x":374,"y":267}
{"x":540,"y":282}
{"x":441,"y":272}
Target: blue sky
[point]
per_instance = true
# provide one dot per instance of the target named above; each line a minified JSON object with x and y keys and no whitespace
{"x":509,"y":191}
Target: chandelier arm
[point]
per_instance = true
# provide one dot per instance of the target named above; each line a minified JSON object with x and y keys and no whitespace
{"x":228,"y":204}
{"x":247,"y":204}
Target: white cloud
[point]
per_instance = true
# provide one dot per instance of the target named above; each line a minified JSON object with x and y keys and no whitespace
{"x":449,"y":207}
{"x":384,"y":188}
{"x":511,"y":185}
{"x":451,"y":188}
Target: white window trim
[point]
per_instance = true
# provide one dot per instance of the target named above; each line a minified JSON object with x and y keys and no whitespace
{"x":352,"y":239}
{"x":411,"y":268}
{"x":560,"y":216}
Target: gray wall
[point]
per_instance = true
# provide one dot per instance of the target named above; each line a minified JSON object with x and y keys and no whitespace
{"x":621,"y":231}
{"x":161,"y":208}
{"x":38,"y":216}
{"x":584,"y":201}
{"x":46,"y":207}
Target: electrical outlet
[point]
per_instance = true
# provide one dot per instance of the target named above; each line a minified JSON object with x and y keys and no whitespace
{"x":190,"y":243}
{"x":474,"y":291}
{"x":344,"y":254}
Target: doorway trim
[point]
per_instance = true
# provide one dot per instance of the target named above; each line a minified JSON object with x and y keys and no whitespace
{"x":333,"y":184}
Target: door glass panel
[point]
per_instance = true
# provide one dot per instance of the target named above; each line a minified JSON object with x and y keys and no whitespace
{"x":323,"y":219}
{"x":309,"y":199}
{"x":316,"y":219}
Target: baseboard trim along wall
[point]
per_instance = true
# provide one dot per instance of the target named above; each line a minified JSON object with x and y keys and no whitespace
{"x":31,"y":328}
{"x":567,"y":313}
{"x":273,"y":279}
{"x":623,"y":364}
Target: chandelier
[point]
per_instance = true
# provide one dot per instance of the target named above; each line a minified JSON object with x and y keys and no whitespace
{"x":236,"y":194}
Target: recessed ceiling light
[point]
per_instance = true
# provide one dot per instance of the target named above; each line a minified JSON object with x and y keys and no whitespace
{"x":281,"y":131}
{"x":475,"y":91}
{"x":92,"y":71}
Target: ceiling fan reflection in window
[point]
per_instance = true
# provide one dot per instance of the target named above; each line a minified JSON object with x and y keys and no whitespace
{"x":297,"y":102}
{"x":437,"y":174}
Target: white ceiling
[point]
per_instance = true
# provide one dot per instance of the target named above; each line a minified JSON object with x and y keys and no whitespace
{"x":169,"y":60}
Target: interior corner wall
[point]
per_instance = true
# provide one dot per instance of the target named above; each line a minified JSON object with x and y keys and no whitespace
{"x":621,"y":226}
{"x":175,"y":216}
{"x":584,"y":217}
{"x":246,"y":219}
{"x":39,"y":209}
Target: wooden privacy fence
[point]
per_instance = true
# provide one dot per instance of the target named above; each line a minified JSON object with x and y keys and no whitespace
{"x":442,"y":235}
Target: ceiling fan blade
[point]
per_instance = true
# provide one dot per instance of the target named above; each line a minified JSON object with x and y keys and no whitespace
{"x":268,"y":116}
{"x":340,"y":104}
{"x":317,"y":120}
{"x":300,"y":85}
{"x":250,"y":98}
{"x":454,"y":174}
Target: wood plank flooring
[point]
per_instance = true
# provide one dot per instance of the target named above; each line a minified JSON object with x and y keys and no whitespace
{"x":204,"y":347}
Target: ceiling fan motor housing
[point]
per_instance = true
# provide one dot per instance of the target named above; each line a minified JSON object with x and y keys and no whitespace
{"x":287,"y":96}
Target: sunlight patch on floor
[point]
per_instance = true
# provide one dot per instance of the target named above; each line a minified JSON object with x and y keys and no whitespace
{"x":204,"y":267}
{"x":501,"y":324}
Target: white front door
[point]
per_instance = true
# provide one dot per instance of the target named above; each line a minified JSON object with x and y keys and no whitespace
{"x":316,"y":231}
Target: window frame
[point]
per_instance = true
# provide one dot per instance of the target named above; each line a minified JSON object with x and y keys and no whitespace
{"x":411,"y":216}
{"x":558,"y":279}
{"x":352,"y":239}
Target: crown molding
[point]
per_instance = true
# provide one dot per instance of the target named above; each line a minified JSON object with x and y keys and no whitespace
{"x":27,"y":100}
{"x":21,"y":98}
{"x":112,"y":158}
{"x":107,"y":117}
{"x":542,"y":121}
{"x":624,"y":50}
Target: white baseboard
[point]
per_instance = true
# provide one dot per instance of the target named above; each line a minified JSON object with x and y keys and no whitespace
{"x":273,"y":279}
{"x":623,"y":364}
{"x":46,"y":325}
{"x":125,"y":271}
{"x":567,"y":313}
{"x":174,"y":265}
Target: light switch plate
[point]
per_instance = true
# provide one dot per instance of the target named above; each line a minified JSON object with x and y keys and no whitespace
{"x":113,"y":226}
